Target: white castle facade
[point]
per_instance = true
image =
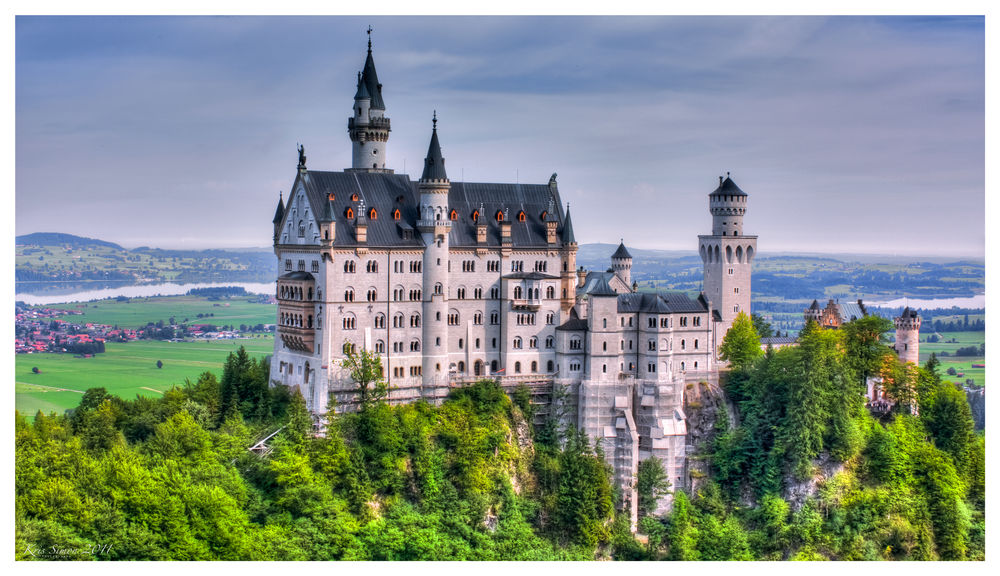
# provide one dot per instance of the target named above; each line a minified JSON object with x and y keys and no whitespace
{"x":448,"y":283}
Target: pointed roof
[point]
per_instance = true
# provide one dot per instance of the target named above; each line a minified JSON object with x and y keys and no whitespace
{"x":370,"y":80}
{"x":727,"y":188}
{"x":434,"y":162}
{"x":567,"y":232}
{"x":621,"y":252}
{"x":815,"y":305}
{"x":602,"y":288}
{"x":328,"y":212}
{"x":279,"y":212}
{"x":907,"y":313}
{"x":362,"y":93}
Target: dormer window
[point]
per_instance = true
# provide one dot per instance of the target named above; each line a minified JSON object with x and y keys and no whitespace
{"x":354,"y":197}
{"x":395,"y":214}
{"x":373,"y":214}
{"x":499,"y":215}
{"x":349,"y":213}
{"x":453,"y":215}
{"x":475,"y":216}
{"x":520,"y":216}
{"x":545,"y":213}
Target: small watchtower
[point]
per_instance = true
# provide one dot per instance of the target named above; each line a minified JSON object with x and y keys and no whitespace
{"x":621,"y":264}
{"x":908,"y":336}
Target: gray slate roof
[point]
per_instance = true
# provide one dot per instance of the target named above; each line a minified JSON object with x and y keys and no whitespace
{"x":434,"y":162}
{"x":850,"y":311}
{"x":370,"y":78}
{"x":728,"y":188}
{"x":567,"y":233}
{"x":660,"y":303}
{"x":621,"y":252}
{"x":778,"y":340}
{"x":297,"y":275}
{"x":387,"y":192}
{"x":279,"y":212}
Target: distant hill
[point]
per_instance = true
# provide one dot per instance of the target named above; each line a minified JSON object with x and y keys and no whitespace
{"x":60,"y":239}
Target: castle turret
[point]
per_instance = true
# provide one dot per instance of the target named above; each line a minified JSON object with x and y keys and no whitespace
{"x":279,"y":215}
{"x":621,"y":264}
{"x":369,"y":126}
{"x":908,"y":336}
{"x":435,"y":227}
{"x":727,"y":254}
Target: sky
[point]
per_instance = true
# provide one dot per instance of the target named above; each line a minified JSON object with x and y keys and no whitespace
{"x":850,"y":134}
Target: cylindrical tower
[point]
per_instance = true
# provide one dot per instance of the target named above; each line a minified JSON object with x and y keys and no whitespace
{"x":621,"y":264}
{"x":727,"y":204}
{"x":908,"y":336}
{"x":435,"y":227}
{"x":368,"y":125}
{"x":727,"y":255}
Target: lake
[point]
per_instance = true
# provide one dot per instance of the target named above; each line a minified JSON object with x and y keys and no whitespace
{"x":131,"y":291}
{"x":977,"y":301}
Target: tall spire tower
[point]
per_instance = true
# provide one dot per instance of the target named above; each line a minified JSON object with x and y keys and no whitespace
{"x":368,"y":126}
{"x":435,"y":228}
{"x":727,"y":255}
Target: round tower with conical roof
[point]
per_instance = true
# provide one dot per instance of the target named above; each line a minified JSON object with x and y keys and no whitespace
{"x":727,"y":255}
{"x":621,"y":264}
{"x":908,"y":336}
{"x":368,"y":125}
{"x":435,"y":228}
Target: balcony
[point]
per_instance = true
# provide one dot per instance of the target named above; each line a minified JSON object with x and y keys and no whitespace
{"x":526,"y":303}
{"x":298,"y":339}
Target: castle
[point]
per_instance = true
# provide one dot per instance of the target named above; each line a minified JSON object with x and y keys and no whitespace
{"x":451,"y":282}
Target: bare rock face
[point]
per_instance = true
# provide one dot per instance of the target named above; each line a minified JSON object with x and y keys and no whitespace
{"x":702,"y":403}
{"x":977,"y":403}
{"x":797,"y":491}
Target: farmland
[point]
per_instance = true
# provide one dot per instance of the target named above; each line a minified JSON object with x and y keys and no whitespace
{"x":125,"y":370}
{"x":137,"y":312}
{"x":960,"y":363}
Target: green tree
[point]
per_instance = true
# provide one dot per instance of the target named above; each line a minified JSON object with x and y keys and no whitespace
{"x":365,"y":368}
{"x":741,"y":345}
{"x":866,"y":345}
{"x":949,"y":421}
{"x":762,"y":326}
{"x":681,"y":532}
{"x":651,"y":484}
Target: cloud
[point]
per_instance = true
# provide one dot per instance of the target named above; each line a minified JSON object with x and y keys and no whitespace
{"x":158,"y":128}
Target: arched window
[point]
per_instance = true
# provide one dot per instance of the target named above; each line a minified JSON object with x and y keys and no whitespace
{"x":453,"y":216}
{"x":493,"y":366}
{"x":544,"y":214}
{"x":349,"y":295}
{"x":499,"y":215}
{"x":373,"y":214}
{"x":379,"y":347}
{"x":395,"y":214}
{"x":354,"y":197}
{"x":380,"y":320}
{"x":549,"y":366}
{"x":349,"y":213}
{"x":517,"y":367}
{"x":683,"y":344}
{"x":533,"y":342}
{"x":534,"y":366}
{"x":518,"y":343}
{"x":520,"y":216}
{"x":475,"y":216}
{"x":550,"y":292}
{"x":517,"y":292}
{"x":461,"y":366}
{"x":549,"y":341}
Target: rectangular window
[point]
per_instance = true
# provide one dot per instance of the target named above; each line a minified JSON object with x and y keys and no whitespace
{"x":288,"y":265}
{"x":302,"y":265}
{"x":315,"y":266}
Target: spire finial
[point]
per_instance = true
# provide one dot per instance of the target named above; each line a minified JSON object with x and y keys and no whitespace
{"x":369,"y":39}
{"x":435,"y":120}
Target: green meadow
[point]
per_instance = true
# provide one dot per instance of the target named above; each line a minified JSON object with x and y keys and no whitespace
{"x":125,"y":369}
{"x":960,"y":363}
{"x":137,"y":312}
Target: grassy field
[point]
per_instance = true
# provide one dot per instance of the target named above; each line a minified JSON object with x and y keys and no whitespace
{"x":960,"y":363}
{"x":124,"y":370}
{"x":138,"y":312}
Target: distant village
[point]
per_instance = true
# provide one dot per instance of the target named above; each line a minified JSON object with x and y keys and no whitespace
{"x":54,"y":330}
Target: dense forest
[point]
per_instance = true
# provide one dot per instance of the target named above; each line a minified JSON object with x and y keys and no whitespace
{"x":172,"y":477}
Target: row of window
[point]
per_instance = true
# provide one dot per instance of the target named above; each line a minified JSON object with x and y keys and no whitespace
{"x":294,"y":292}
{"x":295,"y":320}
{"x":301,"y":265}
